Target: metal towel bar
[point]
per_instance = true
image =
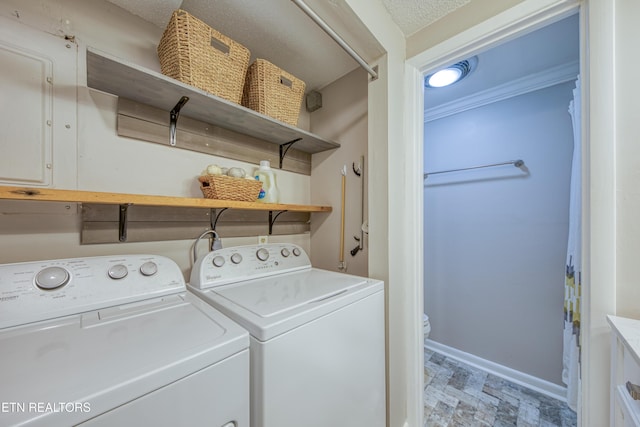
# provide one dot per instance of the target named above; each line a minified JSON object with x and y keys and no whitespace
{"x":517,"y":163}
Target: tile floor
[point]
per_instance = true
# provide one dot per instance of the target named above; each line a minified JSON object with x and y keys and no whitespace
{"x":459,"y":395}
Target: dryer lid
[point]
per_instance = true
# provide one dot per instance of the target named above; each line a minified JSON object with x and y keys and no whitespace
{"x":270,"y":306}
{"x":105,"y":358}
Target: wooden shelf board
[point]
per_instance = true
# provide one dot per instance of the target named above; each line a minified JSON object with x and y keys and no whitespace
{"x":122,"y":78}
{"x":78,"y":196}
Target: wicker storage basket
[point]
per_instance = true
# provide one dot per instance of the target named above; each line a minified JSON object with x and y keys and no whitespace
{"x":272,"y":91}
{"x":196,"y":54}
{"x":224,"y":187}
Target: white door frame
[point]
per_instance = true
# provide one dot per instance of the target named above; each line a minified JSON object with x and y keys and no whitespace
{"x":598,"y":203}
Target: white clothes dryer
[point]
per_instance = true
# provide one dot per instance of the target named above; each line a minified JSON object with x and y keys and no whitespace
{"x":317,"y":337}
{"x":116,"y":340}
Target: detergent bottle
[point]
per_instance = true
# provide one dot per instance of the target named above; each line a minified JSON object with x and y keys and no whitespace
{"x":269,"y":192}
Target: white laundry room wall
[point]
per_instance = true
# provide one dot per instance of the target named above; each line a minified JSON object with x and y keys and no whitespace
{"x":105,"y":161}
{"x":496,"y":238}
{"x":343,"y":115}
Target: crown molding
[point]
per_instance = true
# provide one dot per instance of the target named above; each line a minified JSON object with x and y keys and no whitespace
{"x":550,"y":77}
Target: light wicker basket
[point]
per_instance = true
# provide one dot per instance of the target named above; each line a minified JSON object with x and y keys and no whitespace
{"x":224,"y":187}
{"x":196,"y":54}
{"x":272,"y":91}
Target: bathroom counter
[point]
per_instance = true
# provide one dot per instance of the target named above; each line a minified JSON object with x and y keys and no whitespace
{"x":625,"y":371}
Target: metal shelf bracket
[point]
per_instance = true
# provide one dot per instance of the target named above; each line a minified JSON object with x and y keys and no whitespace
{"x":284,"y":148}
{"x":214,"y":213}
{"x":272,"y":220}
{"x":173,"y":120}
{"x":122,"y":221}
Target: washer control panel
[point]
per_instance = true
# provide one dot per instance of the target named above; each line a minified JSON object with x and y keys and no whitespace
{"x":39,"y":290}
{"x":235,"y":264}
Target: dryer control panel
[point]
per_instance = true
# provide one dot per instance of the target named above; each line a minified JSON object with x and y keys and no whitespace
{"x":40,"y":290}
{"x":239,"y":263}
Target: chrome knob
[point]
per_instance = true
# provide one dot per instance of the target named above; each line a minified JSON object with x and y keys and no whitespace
{"x":262,"y":254}
{"x":118,"y":271}
{"x":149,"y":268}
{"x":52,"y":278}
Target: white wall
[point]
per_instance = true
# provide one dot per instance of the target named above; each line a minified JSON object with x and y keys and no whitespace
{"x":600,"y":230}
{"x":395,"y":214}
{"x":628,"y":153}
{"x":613,"y":197}
{"x":106,"y":162}
{"x":343,"y":115}
{"x":496,"y":238}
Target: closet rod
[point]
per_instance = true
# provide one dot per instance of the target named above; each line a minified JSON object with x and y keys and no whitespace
{"x":311,"y":14}
{"x":517,"y":163}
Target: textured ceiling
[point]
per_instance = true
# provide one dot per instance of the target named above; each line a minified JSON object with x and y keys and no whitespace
{"x":275,"y":30}
{"x":280,"y":32}
{"x":413,"y":15}
{"x":156,"y":12}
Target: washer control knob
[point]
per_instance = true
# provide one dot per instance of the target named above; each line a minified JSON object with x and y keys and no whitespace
{"x":236,"y":258}
{"x":262,"y":254}
{"x":118,"y":271}
{"x":149,"y":268}
{"x":285,"y":252}
{"x":52,"y":277}
{"x":218,"y":261}
{"x":296,"y":252}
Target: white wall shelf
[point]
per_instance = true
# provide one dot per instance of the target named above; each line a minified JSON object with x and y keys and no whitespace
{"x":124,"y":79}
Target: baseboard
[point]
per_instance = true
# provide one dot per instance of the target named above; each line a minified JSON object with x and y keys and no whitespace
{"x":537,"y":384}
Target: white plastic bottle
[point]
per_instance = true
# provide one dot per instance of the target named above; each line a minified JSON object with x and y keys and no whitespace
{"x":269,"y":192}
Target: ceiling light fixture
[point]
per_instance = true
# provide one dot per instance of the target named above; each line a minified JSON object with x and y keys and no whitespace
{"x":451,"y":74}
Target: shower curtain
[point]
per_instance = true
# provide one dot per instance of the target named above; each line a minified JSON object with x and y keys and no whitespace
{"x":573,"y":273}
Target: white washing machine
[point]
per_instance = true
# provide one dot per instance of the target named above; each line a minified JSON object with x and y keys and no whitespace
{"x":317,"y":337}
{"x":116,"y":340}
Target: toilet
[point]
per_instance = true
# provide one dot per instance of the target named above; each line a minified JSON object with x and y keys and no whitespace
{"x":426,"y":326}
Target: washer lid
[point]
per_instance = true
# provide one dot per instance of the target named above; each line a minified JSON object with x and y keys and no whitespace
{"x":270,"y":306}
{"x":103,"y":359}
